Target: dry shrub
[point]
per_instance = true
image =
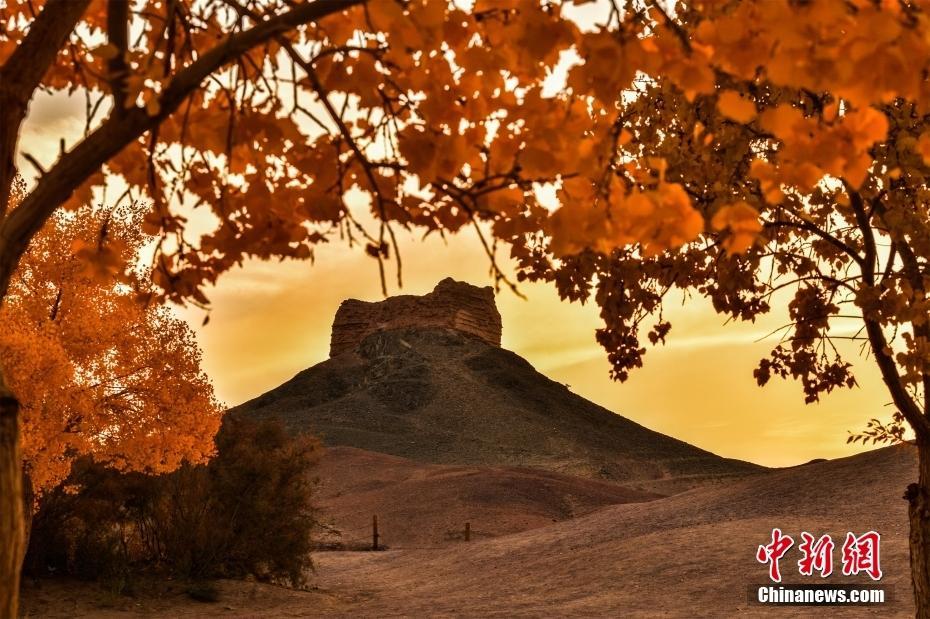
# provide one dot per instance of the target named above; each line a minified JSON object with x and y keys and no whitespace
{"x":247,"y":512}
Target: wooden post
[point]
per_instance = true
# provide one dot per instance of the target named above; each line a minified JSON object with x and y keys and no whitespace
{"x":467,"y":531}
{"x":374,"y":532}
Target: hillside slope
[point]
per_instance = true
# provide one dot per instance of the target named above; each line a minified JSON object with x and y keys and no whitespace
{"x":688,"y":555}
{"x":440,"y":396}
{"x":427,"y":505}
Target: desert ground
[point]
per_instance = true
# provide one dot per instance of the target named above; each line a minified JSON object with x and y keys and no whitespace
{"x":592,"y":549}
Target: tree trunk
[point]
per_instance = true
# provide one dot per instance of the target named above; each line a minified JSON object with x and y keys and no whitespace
{"x":918,"y":498}
{"x":29,"y":497}
{"x":11,"y":503}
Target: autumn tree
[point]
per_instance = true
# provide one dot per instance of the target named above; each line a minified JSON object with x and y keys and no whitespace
{"x":255,"y":129}
{"x":98,"y":372}
{"x":796,"y":137}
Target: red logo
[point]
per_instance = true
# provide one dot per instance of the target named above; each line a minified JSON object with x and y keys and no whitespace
{"x":773,"y":552}
{"x":818,"y":555}
{"x":860,"y":554}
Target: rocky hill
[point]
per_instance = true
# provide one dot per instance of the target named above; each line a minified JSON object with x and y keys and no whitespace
{"x":424,"y":378}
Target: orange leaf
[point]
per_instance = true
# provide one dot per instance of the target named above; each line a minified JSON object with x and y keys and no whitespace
{"x":742,"y":222}
{"x":923,"y":147}
{"x":735,"y":107}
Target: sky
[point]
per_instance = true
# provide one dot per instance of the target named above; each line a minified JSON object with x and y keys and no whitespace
{"x":270,"y":320}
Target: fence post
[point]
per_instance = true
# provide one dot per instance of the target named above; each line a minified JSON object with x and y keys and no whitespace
{"x":374,"y":532}
{"x":467,"y":531}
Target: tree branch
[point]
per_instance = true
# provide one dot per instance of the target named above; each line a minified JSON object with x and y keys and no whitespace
{"x":823,"y":234}
{"x":868,"y":239}
{"x":118,"y":36}
{"x":119,"y":130}
{"x":889,"y":369}
{"x":892,"y":379}
{"x":912,"y":272}
{"x":21,"y":74}
{"x":24,"y":69}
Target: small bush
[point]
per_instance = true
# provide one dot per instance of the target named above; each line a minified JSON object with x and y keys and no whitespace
{"x":266,"y":493}
{"x":247,"y":512}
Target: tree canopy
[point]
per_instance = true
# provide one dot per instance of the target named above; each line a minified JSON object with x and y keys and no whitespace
{"x":97,"y":371}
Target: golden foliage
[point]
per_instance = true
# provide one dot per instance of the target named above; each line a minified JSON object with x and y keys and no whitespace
{"x":451,"y":102}
{"x":96,"y":370}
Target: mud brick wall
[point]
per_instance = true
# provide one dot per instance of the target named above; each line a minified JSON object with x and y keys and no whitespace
{"x":452,"y":305}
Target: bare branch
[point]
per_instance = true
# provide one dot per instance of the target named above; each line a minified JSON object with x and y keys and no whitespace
{"x":823,"y":234}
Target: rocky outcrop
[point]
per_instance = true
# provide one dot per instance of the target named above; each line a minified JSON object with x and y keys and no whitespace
{"x":452,"y":305}
{"x":443,"y":396}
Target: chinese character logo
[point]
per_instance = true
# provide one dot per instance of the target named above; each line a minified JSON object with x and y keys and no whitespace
{"x":860,"y":554}
{"x":818,"y":555}
{"x":773,"y":552}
